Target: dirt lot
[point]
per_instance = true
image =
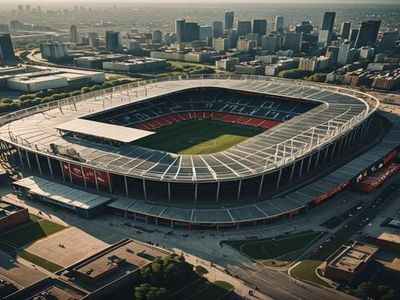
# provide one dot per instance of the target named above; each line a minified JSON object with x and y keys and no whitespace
{"x":67,"y":246}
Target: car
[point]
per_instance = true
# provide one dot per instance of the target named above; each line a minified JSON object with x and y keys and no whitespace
{"x":359,"y":207}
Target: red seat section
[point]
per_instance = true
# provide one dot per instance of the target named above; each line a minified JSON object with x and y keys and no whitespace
{"x":206,"y":115}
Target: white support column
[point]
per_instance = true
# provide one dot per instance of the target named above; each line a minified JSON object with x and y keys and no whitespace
{"x":279,"y":179}
{"x":195,"y":192}
{"x":218,"y":187}
{"x":20,"y":158}
{"x":109,"y":181}
{"x":316,"y":161}
{"x":38,"y":162}
{"x":261,"y":185}
{"x":126,"y":186}
{"x":301,"y":167}
{"x":51,"y":169}
{"x":95,"y":179}
{"x":292,"y":172}
{"x":144,"y":189}
{"x":29,"y":163}
{"x":83,"y":176}
{"x":239,"y":189}
{"x":309,"y":163}
{"x":333,"y":150}
{"x":169,"y":191}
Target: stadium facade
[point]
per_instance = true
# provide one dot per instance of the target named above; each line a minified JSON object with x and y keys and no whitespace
{"x":89,"y":141}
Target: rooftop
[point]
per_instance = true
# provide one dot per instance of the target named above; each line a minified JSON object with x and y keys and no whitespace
{"x":61,"y":193}
{"x":351,"y":258}
{"x":103,"y":130}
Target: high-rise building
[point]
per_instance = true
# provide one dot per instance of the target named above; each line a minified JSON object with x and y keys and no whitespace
{"x":113,"y":41}
{"x":332,"y":53}
{"x":157,"y":36}
{"x":205,"y":32}
{"x":353,"y":35}
{"x":243,"y":28}
{"x":271,"y":42}
{"x":221,"y":44}
{"x":260,"y":27}
{"x":217,"y":29}
{"x":192,"y":32}
{"x":229,"y":19}
{"x":305,"y":27}
{"x":245,"y":45}
{"x":73,"y":34}
{"x":292,"y":41}
{"x":346,"y":53}
{"x":323,"y":38}
{"x":55,"y":51}
{"x":20,"y":8}
{"x":345,"y":30}
{"x":180,"y":30}
{"x":6,"y":47}
{"x":329,"y":21}
{"x":279,"y":26}
{"x":388,"y":40}
{"x":4,"y":28}
{"x":368,"y":33}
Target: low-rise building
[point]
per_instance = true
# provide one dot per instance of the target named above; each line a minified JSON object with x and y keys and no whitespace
{"x":52,"y":78}
{"x":188,"y":56}
{"x":314,"y":64}
{"x":12,"y":215}
{"x":284,"y":64}
{"x":136,"y":65}
{"x":227,"y":64}
{"x":349,"y":261}
{"x":251,"y":68}
{"x":96,"y":61}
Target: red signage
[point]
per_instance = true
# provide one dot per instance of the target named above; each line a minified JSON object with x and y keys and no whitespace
{"x":65,"y":170}
{"x":76,"y":172}
{"x":102,"y":179}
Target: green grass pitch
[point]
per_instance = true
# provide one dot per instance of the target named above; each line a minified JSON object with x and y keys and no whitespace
{"x":198,"y":137}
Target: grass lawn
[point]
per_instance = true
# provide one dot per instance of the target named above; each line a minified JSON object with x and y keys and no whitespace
{"x":28,"y":232}
{"x":198,"y":137}
{"x":44,"y":263}
{"x":212,"y":290}
{"x":264,"y":250}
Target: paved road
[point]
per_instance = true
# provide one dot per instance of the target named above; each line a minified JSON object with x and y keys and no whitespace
{"x":278,"y":285}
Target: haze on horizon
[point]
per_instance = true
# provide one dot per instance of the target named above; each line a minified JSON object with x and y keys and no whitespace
{"x":55,"y":2}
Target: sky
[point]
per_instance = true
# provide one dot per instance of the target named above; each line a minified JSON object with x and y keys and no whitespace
{"x":196,"y":1}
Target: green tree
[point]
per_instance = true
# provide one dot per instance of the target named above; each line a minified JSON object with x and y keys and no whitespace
{"x":148,"y":292}
{"x":200,"y":270}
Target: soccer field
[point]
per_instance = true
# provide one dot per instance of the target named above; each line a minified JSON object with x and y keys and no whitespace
{"x":198,"y":137}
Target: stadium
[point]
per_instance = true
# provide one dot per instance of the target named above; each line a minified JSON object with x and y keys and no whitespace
{"x":200,"y":151}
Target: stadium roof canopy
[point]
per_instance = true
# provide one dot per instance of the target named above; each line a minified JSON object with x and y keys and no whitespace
{"x":103,"y":130}
{"x":60,"y":193}
{"x":340,"y":110}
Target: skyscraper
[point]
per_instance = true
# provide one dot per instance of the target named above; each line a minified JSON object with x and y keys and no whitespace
{"x":6,"y":47}
{"x":180,"y":30}
{"x":346,"y":53}
{"x":345,"y":30}
{"x":229,"y":17}
{"x":217,"y":29}
{"x":192,"y":31}
{"x":271,"y":42}
{"x":205,"y":32}
{"x":388,"y":40}
{"x":73,"y":34}
{"x":260,"y":27}
{"x":243,"y":28}
{"x":368,"y":33}
{"x":279,"y":26}
{"x":292,"y":41}
{"x":112,"y":40}
{"x":329,"y":21}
